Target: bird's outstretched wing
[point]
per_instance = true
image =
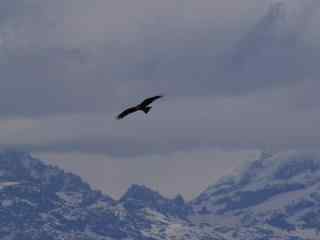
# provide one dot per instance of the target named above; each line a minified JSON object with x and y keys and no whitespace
{"x":127,"y":112}
{"x":148,"y":101}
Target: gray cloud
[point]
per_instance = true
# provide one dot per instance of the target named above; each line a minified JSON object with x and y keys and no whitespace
{"x":85,"y":56}
{"x":282,"y":118}
{"x":236,"y":75}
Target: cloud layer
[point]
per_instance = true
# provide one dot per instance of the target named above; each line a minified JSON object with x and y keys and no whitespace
{"x":236,"y":75}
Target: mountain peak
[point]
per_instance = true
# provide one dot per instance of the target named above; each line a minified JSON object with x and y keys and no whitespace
{"x":139,"y":196}
{"x":17,"y":156}
{"x":279,"y":192}
{"x":140,"y":193}
{"x":18,"y":165}
{"x":21,"y":167}
{"x":14,"y":152}
{"x":179,"y":199}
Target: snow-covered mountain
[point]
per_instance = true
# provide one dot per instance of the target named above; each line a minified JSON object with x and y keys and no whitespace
{"x":40,"y":202}
{"x":275,"y":197}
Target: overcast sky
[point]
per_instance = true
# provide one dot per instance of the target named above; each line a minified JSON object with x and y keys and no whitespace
{"x":239,"y":76}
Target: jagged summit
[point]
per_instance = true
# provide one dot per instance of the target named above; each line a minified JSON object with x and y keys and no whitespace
{"x":17,"y":157}
{"x":138,"y":197}
{"x":22,"y":167}
{"x":140,"y":192}
{"x":179,"y":199}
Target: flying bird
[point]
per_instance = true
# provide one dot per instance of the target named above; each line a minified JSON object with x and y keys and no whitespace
{"x":143,"y":106}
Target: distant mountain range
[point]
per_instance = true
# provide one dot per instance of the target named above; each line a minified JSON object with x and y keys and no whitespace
{"x":40,"y":202}
{"x":274,"y":197}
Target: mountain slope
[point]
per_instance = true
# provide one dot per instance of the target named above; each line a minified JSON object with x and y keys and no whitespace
{"x":42,"y":202}
{"x":274,"y":197}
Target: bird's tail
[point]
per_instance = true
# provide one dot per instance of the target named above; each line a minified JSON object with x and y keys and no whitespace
{"x":146,"y":109}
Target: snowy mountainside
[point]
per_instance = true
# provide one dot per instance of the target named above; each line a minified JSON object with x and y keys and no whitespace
{"x":39,"y":202}
{"x":275,"y":196}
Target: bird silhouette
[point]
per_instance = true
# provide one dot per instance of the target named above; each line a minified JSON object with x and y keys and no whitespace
{"x":143,"y":106}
